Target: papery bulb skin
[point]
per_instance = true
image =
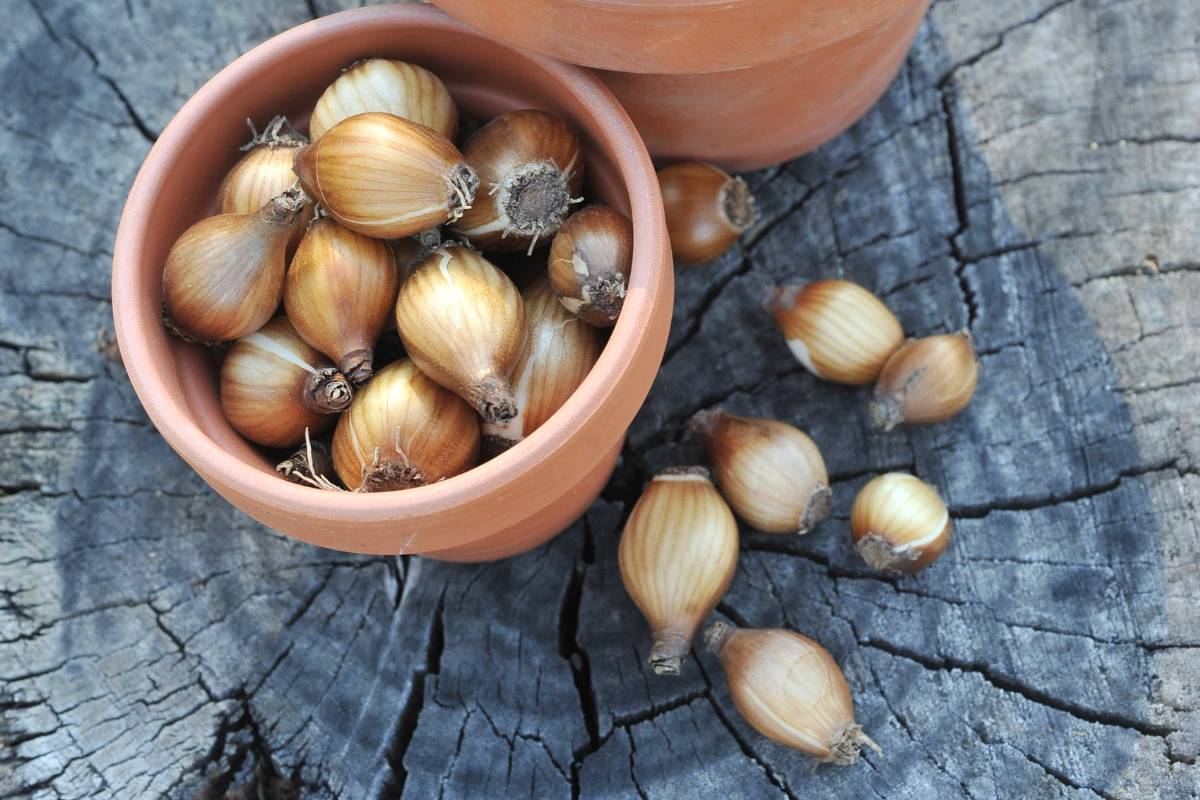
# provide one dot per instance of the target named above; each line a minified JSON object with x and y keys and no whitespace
{"x":462,"y":322}
{"x":790,"y":690}
{"x":838,"y":330}
{"x":386,"y":177}
{"x":677,"y":555}
{"x":340,"y":293}
{"x":274,"y":386}
{"x":224,"y":276}
{"x":530,"y":169}
{"x":926,"y":380}
{"x":707,"y":210}
{"x":390,"y":86}
{"x":771,"y":473}
{"x":590,"y":262}
{"x":403,"y":431}
{"x":899,"y":523}
{"x":556,"y":355}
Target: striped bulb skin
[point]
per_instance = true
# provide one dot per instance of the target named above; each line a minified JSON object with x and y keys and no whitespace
{"x":838,"y":330}
{"x":402,"y":431}
{"x":899,"y":523}
{"x":390,"y":86}
{"x":556,"y":355}
{"x":462,"y":321}
{"x":677,"y":555}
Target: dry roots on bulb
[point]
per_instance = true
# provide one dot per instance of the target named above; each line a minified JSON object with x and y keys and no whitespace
{"x":403,"y":430}
{"x":926,"y":380}
{"x":838,"y":330}
{"x":899,"y":523}
{"x":224,"y":276}
{"x":394,"y":87}
{"x":531,"y":170}
{"x":274,"y":387}
{"x":707,"y":210}
{"x":386,"y":177}
{"x":556,"y":356}
{"x":771,"y":473}
{"x":677,"y":555}
{"x":790,"y":690}
{"x":462,"y":321}
{"x":340,"y":292}
{"x":264,"y":172}
{"x":590,"y":261}
{"x":311,"y":465}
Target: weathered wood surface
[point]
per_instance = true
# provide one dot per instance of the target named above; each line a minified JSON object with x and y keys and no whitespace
{"x":1034,"y":175}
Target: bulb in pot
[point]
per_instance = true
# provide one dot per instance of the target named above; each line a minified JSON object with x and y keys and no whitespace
{"x":403,"y":430}
{"x":264,"y":172}
{"x":790,"y":690}
{"x":677,"y":555}
{"x":274,"y":386}
{"x":771,"y":473}
{"x":590,"y":260}
{"x":387,"y":85}
{"x":837,"y":329}
{"x":899,"y":523}
{"x":531,"y":169}
{"x":224,"y":276}
{"x":926,"y":380}
{"x":555,"y":357}
{"x":707,"y":210}
{"x":340,"y":293}
{"x":462,"y":321}
{"x":386,"y":177}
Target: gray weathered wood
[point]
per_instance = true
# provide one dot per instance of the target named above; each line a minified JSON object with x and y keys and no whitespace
{"x":1034,"y":175}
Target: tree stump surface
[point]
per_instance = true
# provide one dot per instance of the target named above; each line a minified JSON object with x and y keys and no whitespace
{"x":1032,"y":175}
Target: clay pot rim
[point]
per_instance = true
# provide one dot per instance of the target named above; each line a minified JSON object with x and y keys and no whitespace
{"x":137,"y":324}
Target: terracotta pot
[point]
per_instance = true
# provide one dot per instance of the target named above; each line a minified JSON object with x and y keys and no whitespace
{"x":745,"y":83}
{"x":508,"y":505}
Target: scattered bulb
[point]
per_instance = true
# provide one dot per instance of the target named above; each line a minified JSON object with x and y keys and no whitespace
{"x":707,"y":210}
{"x":899,"y":523}
{"x":677,"y":555}
{"x":771,"y":473}
{"x":386,"y":177}
{"x":926,"y":380}
{"x":590,"y":261}
{"x":393,"y":87}
{"x":274,"y":386}
{"x":838,"y":330}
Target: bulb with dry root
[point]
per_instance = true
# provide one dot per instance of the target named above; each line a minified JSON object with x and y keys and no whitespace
{"x":926,"y":380}
{"x":311,"y":465}
{"x":224,"y":276}
{"x":677,"y":554}
{"x":386,"y":177}
{"x":393,"y":87}
{"x":707,"y":210}
{"x":402,"y":431}
{"x":531,"y":170}
{"x":790,"y":690}
{"x":838,"y":330}
{"x":340,"y":293}
{"x":274,"y":386}
{"x":771,"y":473}
{"x":462,"y":321}
{"x":590,"y":261}
{"x":264,"y":172}
{"x":899,"y":523}
{"x":556,"y":356}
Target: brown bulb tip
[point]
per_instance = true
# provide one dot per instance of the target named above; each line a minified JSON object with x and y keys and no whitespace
{"x":738,"y":204}
{"x":493,"y":399}
{"x":461,"y":187}
{"x":603,"y":298}
{"x":357,"y":365}
{"x":491,"y":445}
{"x":299,"y":469}
{"x":848,"y":747}
{"x":703,"y":422}
{"x":885,"y":411}
{"x":879,"y":554}
{"x":304,"y":164}
{"x":817,"y":510}
{"x":717,"y":635}
{"x":533,"y":199}
{"x":328,"y":392}
{"x":668,"y":651}
{"x":779,"y":298}
{"x":390,"y":476}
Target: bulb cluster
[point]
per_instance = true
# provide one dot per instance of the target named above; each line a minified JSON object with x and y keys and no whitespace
{"x":345,"y":232}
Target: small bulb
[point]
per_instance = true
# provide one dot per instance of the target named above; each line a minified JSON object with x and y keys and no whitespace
{"x":899,"y":523}
{"x":707,"y":210}
{"x":264,"y":172}
{"x":790,"y":690}
{"x":838,"y":330}
{"x":677,"y":555}
{"x":590,"y":261}
{"x":926,"y":380}
{"x":393,"y":87}
{"x":771,"y":473}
